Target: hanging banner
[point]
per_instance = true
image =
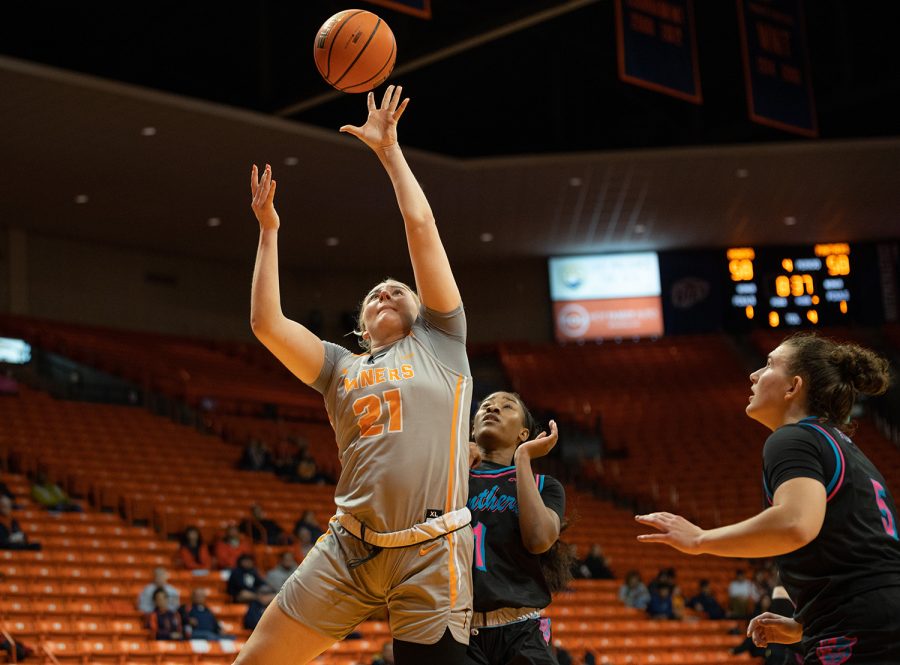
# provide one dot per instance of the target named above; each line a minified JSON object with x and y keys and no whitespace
{"x":776,"y":65}
{"x":420,"y":8}
{"x":657,"y":46}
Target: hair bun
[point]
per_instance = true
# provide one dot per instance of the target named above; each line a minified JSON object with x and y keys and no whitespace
{"x":863,"y":369}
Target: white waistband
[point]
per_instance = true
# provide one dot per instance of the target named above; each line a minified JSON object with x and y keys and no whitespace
{"x":420,"y":533}
{"x":504,"y":616}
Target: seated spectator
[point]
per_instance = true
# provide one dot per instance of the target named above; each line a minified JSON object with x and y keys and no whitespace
{"x":308,"y":519}
{"x":51,"y":496}
{"x":633,"y":592}
{"x":263,"y":530}
{"x":164,"y":622}
{"x":576,"y":569}
{"x":11,"y":535}
{"x":307,"y":473}
{"x":245,"y":581}
{"x":276,"y":577}
{"x":198,"y":620}
{"x":660,"y":605}
{"x":256,"y":457}
{"x":285,"y":457}
{"x":22,"y":651}
{"x":386,"y":657}
{"x":303,"y":543}
{"x":193,"y":553}
{"x":257,"y":606}
{"x":665,"y":577}
{"x":742,"y":596}
{"x":5,"y":491}
{"x":706,"y":603}
{"x":678,"y":603}
{"x":597,"y":565}
{"x":146,"y":602}
{"x":230,"y":547}
{"x":563,"y":657}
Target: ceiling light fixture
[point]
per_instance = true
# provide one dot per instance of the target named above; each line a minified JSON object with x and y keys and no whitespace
{"x":148,"y":131}
{"x":291,"y":161}
{"x":486,"y":237}
{"x":790,"y":220}
{"x":332,"y":241}
{"x":82,"y":198}
{"x":213,"y":222}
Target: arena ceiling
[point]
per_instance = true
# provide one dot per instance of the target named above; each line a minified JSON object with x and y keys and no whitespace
{"x":519,"y":129}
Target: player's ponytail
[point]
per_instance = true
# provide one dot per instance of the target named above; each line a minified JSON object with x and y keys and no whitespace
{"x":835,"y":374}
{"x":557,"y":563}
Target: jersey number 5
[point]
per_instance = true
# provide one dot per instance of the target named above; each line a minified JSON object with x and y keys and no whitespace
{"x":368,"y":410}
{"x":887,"y":519}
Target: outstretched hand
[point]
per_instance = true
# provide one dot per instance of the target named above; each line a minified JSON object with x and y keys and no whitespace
{"x":380,"y":130}
{"x":675,"y":531}
{"x":769,"y":627}
{"x":539,"y":446}
{"x":262,"y":192}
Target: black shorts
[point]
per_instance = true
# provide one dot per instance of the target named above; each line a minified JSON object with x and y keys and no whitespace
{"x":522,"y":643}
{"x":864,"y":629}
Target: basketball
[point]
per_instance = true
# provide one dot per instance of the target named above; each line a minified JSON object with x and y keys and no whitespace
{"x":355,"y":51}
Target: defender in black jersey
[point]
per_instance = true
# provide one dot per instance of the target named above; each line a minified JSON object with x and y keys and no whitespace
{"x":516,"y":517}
{"x":831,"y":521}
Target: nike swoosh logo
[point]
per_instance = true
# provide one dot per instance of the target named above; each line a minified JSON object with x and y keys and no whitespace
{"x":425,"y":549}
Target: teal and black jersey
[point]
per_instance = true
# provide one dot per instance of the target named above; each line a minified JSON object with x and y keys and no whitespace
{"x":857,"y":549}
{"x":504,"y":573}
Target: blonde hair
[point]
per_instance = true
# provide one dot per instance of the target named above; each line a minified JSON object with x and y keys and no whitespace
{"x":361,"y":325}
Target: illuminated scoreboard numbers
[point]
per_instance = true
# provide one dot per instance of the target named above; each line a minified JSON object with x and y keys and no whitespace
{"x":837,"y":263}
{"x":740,"y":267}
{"x":740,"y":263}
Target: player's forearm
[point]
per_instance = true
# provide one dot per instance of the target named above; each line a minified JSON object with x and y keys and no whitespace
{"x":411,"y":199}
{"x":539,"y":529}
{"x":773,"y":532}
{"x":265,"y":294}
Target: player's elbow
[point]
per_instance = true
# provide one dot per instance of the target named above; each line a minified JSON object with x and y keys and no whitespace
{"x":801,"y":531}
{"x":537,"y":543}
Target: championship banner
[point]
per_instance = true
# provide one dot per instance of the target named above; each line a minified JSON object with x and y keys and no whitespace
{"x":420,"y":8}
{"x":776,"y":65}
{"x":657,"y":46}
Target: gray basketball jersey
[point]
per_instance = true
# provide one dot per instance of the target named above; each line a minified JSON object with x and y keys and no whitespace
{"x":400,"y":419}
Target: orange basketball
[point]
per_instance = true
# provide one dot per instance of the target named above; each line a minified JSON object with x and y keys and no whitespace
{"x":355,"y":50}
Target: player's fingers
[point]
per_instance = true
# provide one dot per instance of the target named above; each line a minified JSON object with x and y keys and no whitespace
{"x":271,"y":197}
{"x":370,"y":101}
{"x":351,"y":129}
{"x":653,"y":538}
{"x":650,"y":520}
{"x":401,"y":109}
{"x":395,"y":98}
{"x":254,"y":179}
{"x":386,"y":100}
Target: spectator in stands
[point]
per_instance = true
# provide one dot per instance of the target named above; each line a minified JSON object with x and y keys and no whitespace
{"x":22,"y":651}
{"x":660,"y":605}
{"x":256,"y":457}
{"x":52,"y":496}
{"x":307,"y":473}
{"x":285,"y":458}
{"x":578,"y":571}
{"x":762,"y":580}
{"x":245,"y":581}
{"x":146,"y":602}
{"x":287,"y":564}
{"x":742,"y":595}
{"x":665,"y":577}
{"x":261,"y":529}
{"x":706,"y":602}
{"x":5,"y":491}
{"x":230,"y":547}
{"x":386,"y":657}
{"x":597,"y":565}
{"x":198,"y":620}
{"x":164,"y":622}
{"x":303,"y":543}
{"x":308,"y":519}
{"x":193,"y":553}
{"x":257,"y":606}
{"x":11,"y":535}
{"x":633,"y":592}
{"x":563,"y":657}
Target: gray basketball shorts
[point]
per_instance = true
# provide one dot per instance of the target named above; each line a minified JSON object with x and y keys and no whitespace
{"x":426,"y":588}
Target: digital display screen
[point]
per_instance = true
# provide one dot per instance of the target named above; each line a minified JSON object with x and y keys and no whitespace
{"x":14,"y":351}
{"x":606,"y":296}
{"x":784,"y":287}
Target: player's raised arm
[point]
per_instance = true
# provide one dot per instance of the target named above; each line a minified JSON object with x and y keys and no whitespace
{"x":434,"y":279}
{"x":301,"y":351}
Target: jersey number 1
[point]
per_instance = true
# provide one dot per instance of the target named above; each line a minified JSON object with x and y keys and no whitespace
{"x":887,"y":519}
{"x":479,"y":531}
{"x":368,"y":409}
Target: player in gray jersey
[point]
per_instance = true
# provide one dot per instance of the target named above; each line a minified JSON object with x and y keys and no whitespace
{"x":401,"y":537}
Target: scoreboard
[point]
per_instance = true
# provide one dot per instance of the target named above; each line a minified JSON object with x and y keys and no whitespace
{"x":783,"y":287}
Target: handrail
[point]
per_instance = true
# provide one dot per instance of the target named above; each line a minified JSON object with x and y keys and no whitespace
{"x":12,"y":646}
